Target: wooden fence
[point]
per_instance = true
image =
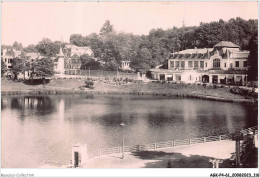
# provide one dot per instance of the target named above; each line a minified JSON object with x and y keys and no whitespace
{"x":167,"y":144}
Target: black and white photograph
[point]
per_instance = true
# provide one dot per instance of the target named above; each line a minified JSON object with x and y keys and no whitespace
{"x":149,"y":84}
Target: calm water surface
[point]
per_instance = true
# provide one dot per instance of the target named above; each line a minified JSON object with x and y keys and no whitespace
{"x":38,"y":129}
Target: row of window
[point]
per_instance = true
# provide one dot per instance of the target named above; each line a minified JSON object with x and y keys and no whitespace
{"x":181,"y":64}
{"x":197,"y":64}
{"x":72,"y":66}
{"x":10,"y":61}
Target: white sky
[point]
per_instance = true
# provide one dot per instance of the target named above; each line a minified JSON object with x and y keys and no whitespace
{"x":29,"y":22}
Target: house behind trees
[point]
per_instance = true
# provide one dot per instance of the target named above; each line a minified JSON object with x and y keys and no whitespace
{"x":68,"y":60}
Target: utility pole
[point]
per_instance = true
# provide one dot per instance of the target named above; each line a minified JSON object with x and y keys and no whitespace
{"x":123,"y":142}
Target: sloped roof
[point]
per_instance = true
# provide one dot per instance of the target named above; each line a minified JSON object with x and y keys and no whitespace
{"x":226,"y":44}
{"x":9,"y":53}
{"x":201,"y":53}
{"x":198,"y":50}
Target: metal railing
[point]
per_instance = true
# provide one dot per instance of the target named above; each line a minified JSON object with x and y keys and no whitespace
{"x":167,"y":144}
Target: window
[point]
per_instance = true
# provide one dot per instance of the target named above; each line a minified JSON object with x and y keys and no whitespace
{"x":237,"y":63}
{"x":216,"y":63}
{"x":196,"y":64}
{"x":201,"y":64}
{"x":245,"y":63}
{"x":206,"y":64}
{"x":178,"y":77}
{"x":190,"y":64}
{"x":171,"y":63}
{"x":11,"y":61}
{"x":177,"y":64}
{"x":225,"y":64}
{"x":190,"y":78}
{"x":182,"y":64}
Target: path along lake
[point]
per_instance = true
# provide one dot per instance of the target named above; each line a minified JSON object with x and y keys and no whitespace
{"x":38,"y":129}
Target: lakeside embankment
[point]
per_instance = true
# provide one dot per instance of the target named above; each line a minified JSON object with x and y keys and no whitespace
{"x":72,"y":86}
{"x":193,"y":156}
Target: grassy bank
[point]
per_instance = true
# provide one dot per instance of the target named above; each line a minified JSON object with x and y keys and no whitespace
{"x":68,"y":86}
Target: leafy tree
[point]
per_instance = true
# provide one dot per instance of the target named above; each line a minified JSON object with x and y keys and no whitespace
{"x":30,"y":49}
{"x":78,"y":40}
{"x":143,"y":60}
{"x":17,"y":46}
{"x":88,"y":62}
{"x":19,"y":66}
{"x":47,"y":48}
{"x":60,"y":44}
{"x":106,"y":28}
{"x":3,"y":67}
{"x":43,"y":68}
{"x":253,"y":58}
{"x":96,"y":44}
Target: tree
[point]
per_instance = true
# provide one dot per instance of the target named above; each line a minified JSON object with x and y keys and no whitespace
{"x":43,"y":68}
{"x":88,"y":62}
{"x":3,"y":67}
{"x":47,"y":48}
{"x":106,"y":28}
{"x":143,"y":60}
{"x":17,"y":46}
{"x":95,"y":43}
{"x":19,"y":66}
{"x":253,"y":58}
{"x":78,"y":40}
{"x":30,"y":49}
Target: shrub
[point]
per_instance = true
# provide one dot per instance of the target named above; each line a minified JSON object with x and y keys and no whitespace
{"x":89,"y":83}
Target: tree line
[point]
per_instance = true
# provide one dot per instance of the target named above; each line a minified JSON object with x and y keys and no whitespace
{"x":148,"y":51}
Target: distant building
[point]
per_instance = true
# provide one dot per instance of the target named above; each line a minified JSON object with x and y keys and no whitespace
{"x":71,"y":50}
{"x":7,"y":55}
{"x":125,"y":65}
{"x":224,"y":63}
{"x":68,"y":60}
{"x":32,"y":56}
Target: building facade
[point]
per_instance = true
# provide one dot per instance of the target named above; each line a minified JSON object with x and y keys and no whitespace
{"x":125,"y":65}
{"x":7,"y":55}
{"x":68,"y":60}
{"x":225,"y":63}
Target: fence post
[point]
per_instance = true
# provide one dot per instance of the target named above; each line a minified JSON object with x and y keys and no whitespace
{"x":220,"y":138}
{"x":205,"y":139}
{"x":172,"y":143}
{"x":155,"y":145}
{"x":190,"y":141}
{"x":138,"y":148}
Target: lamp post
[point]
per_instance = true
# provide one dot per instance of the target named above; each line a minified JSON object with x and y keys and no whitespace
{"x":123,"y":142}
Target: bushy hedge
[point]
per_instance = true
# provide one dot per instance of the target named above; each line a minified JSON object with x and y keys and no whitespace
{"x":89,"y":83}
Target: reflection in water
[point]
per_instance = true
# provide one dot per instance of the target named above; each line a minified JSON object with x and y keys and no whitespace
{"x":37,"y":129}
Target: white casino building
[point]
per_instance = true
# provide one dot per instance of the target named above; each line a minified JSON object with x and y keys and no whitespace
{"x":225,"y":63}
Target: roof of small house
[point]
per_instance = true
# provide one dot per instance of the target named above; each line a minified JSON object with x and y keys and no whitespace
{"x":226,"y":44}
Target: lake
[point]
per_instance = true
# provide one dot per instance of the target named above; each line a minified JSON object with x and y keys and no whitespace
{"x":38,"y":129}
